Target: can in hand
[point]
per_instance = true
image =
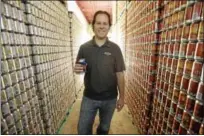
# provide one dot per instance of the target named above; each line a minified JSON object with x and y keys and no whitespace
{"x":83,"y":62}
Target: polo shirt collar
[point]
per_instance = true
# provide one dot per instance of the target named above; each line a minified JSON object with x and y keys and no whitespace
{"x":106,"y":44}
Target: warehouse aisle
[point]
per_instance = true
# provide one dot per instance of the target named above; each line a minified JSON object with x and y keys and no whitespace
{"x":121,"y":123}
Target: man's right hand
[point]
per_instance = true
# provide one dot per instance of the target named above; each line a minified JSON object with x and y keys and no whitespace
{"x":79,"y":68}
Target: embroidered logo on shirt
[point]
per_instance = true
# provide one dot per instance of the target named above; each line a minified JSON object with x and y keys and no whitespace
{"x":107,"y":53}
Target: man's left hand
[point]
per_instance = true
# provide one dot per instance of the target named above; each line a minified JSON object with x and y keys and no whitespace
{"x":120,"y":104}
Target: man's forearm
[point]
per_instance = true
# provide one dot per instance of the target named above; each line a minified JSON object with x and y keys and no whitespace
{"x":121,"y":84}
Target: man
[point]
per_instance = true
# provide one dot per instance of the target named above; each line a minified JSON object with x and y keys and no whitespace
{"x":103,"y":77}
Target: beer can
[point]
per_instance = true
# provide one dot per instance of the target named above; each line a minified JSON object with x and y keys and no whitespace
{"x":185,"y":33}
{"x":8,"y":52}
{"x":5,"y":109}
{"x":26,"y":130}
{"x":174,"y":65}
{"x":4,"y":66}
{"x":4,"y":127}
{"x":13,"y":105}
{"x":14,"y":77}
{"x":175,"y":95}
{"x":199,"y":52}
{"x":172,"y":78}
{"x":22,"y":110}
{"x":173,"y":108}
{"x":180,"y":66}
{"x":18,"y":101}
{"x":197,"y":11}
{"x":200,"y":92}
{"x":11,"y":65}
{"x":198,"y":110}
{"x":190,"y":50}
{"x":186,"y":118}
{"x":16,"y":89}
{"x":167,"y":74}
{"x":20,"y":75}
{"x":182,"y":99}
{"x":6,"y":80}
{"x":170,"y":49}
{"x":176,"y":49}
{"x":188,"y":14}
{"x":182,"y":50}
{"x":3,"y":96}
{"x":30,"y":72}
{"x":19,"y":127}
{"x":12,"y":130}
{"x":190,"y":102}
{"x":179,"y":112}
{"x":170,"y":91}
{"x":177,"y":80}
{"x":193,"y":86}
{"x":201,"y":31}
{"x":182,"y":130}
{"x":188,"y":68}
{"x":175,"y":126}
{"x":9,"y":93}
{"x":17,"y":115}
{"x":196,"y":71}
{"x":168,"y":130}
{"x":184,"y":83}
{"x":194,"y":125}
{"x":9,"y":120}
{"x":178,"y":35}
{"x":202,"y":75}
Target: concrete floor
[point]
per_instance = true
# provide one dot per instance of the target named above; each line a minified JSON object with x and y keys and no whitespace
{"x":121,"y":122}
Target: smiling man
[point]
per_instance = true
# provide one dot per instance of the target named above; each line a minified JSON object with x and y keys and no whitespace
{"x":104,"y":77}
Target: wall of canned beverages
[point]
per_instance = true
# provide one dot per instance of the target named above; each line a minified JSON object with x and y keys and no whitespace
{"x":75,"y":35}
{"x":164,"y":65}
{"x":37,"y":78}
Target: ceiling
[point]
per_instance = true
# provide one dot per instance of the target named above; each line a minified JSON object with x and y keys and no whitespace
{"x":88,"y":8}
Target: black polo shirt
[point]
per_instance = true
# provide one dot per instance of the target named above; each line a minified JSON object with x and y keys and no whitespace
{"x":102,"y":64}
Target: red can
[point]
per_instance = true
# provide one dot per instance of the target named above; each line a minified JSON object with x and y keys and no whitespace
{"x":166,"y":86}
{"x":169,"y":130}
{"x":173,"y":108}
{"x":197,"y":11}
{"x":175,"y":126}
{"x":180,"y":66}
{"x":170,"y":49}
{"x":190,"y":50}
{"x":197,"y":69}
{"x":176,"y":49}
{"x":170,"y":91}
{"x":170,"y":119}
{"x":194,"y":125}
{"x":177,"y":82}
{"x":168,"y":104}
{"x":188,"y":14}
{"x":188,"y":68}
{"x":178,"y":33}
{"x":190,"y":102}
{"x":179,"y":113}
{"x":172,"y":78}
{"x":193,"y":87}
{"x":200,"y":92}
{"x":164,"y":61}
{"x":161,"y":85}
{"x":182,"y":130}
{"x":185,"y":33}
{"x":182,"y":99}
{"x":182,"y":51}
{"x":175,"y":95}
{"x":167,"y":74}
{"x":169,"y":62}
{"x":186,"y":119}
{"x":201,"y":31}
{"x":198,"y":110}
{"x":174,"y":64}
{"x":193,"y":32}
{"x":180,"y":17}
{"x":199,"y":51}
{"x":184,"y":83}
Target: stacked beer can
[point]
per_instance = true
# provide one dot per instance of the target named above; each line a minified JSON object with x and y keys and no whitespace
{"x":141,"y":51}
{"x":178,"y":99}
{"x":49,"y":35}
{"x":76,"y":29}
{"x":20,"y":109}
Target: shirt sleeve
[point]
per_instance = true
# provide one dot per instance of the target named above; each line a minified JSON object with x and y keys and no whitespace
{"x":120,"y":65}
{"x":79,"y":55}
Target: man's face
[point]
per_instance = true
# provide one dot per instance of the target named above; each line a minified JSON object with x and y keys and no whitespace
{"x":101,"y":26}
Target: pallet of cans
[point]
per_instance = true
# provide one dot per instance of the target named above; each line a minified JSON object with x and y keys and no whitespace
{"x":180,"y":65}
{"x":19,"y":100}
{"x":141,"y":55}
